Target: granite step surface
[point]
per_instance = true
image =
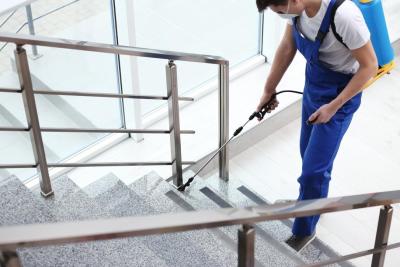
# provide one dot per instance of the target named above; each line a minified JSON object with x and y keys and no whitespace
{"x":71,"y":203}
{"x":239,"y":194}
{"x":163,"y":198}
{"x":109,"y":197}
{"x":22,"y":206}
{"x":267,"y":253}
{"x":176,"y":249}
{"x":18,"y":204}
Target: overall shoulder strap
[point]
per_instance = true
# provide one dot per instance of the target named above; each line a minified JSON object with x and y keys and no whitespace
{"x":326,"y":21}
{"x":334,"y":9}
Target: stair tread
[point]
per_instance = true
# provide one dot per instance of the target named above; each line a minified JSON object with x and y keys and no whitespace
{"x":69,"y":202}
{"x":19,"y":205}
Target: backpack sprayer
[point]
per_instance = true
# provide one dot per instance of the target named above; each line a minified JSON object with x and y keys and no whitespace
{"x":259,"y":114}
{"x":374,"y":16}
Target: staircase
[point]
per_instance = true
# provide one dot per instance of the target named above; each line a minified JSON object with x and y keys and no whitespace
{"x":110,"y":197}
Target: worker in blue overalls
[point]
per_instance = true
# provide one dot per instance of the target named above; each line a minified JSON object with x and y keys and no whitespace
{"x":334,"y":39}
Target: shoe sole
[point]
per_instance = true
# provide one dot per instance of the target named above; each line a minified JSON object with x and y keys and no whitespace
{"x":284,"y":201}
{"x":308,"y":243}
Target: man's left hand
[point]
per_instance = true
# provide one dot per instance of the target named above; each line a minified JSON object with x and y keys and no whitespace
{"x":323,"y":114}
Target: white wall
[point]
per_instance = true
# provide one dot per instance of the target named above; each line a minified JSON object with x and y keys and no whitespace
{"x":392,"y":13}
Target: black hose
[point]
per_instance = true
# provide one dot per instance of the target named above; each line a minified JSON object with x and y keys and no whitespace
{"x":259,"y":114}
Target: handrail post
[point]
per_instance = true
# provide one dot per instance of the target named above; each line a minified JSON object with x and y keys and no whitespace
{"x":9,"y":259}
{"x":31,"y":27}
{"x":382,"y":235}
{"x":174,"y":124}
{"x":246,"y":239}
{"x":33,"y":120}
{"x":223,"y":107}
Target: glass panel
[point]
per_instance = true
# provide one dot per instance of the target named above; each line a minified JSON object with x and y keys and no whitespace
{"x":274,"y":28}
{"x":62,"y":69}
{"x":223,"y":28}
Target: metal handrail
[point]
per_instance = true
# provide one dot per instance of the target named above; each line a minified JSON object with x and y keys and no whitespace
{"x":96,"y":130}
{"x":28,"y":95}
{"x":108,"y":95}
{"x":24,"y":39}
{"x":14,"y":129}
{"x":13,"y":237}
{"x":17,"y":166}
{"x":7,"y":19}
{"x":30,"y":19}
{"x":94,"y":164}
{"x":10,"y":90}
{"x":116,"y":164}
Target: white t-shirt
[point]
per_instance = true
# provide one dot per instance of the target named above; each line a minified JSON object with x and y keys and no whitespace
{"x":350,"y":25}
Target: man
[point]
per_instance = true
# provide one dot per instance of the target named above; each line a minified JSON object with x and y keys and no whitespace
{"x":333,"y":37}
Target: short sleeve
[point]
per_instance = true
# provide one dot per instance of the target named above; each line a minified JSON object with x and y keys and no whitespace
{"x":351,"y":26}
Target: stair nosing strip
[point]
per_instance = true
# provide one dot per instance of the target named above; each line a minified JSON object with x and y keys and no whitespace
{"x":215,"y":198}
{"x":250,"y":195}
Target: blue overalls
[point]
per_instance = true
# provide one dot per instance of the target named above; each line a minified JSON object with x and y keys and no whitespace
{"x":319,"y":143}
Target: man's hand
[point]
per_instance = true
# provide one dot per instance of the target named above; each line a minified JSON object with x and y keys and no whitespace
{"x":265,"y":98}
{"x":323,"y":114}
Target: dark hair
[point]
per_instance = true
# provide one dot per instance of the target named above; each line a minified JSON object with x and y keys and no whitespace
{"x":263,"y":4}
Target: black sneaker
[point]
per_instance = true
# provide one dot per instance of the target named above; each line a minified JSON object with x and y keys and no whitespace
{"x":298,"y":243}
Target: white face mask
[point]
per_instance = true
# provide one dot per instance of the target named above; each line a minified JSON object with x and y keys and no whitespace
{"x":287,"y":15}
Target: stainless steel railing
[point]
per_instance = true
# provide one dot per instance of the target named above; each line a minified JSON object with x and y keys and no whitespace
{"x":30,"y":21}
{"x":172,"y":98}
{"x":22,"y":39}
{"x":14,"y":237}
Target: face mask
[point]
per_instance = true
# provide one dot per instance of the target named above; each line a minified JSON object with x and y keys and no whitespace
{"x":287,"y":15}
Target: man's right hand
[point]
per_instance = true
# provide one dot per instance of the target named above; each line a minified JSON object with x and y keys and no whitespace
{"x":265,"y":98}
